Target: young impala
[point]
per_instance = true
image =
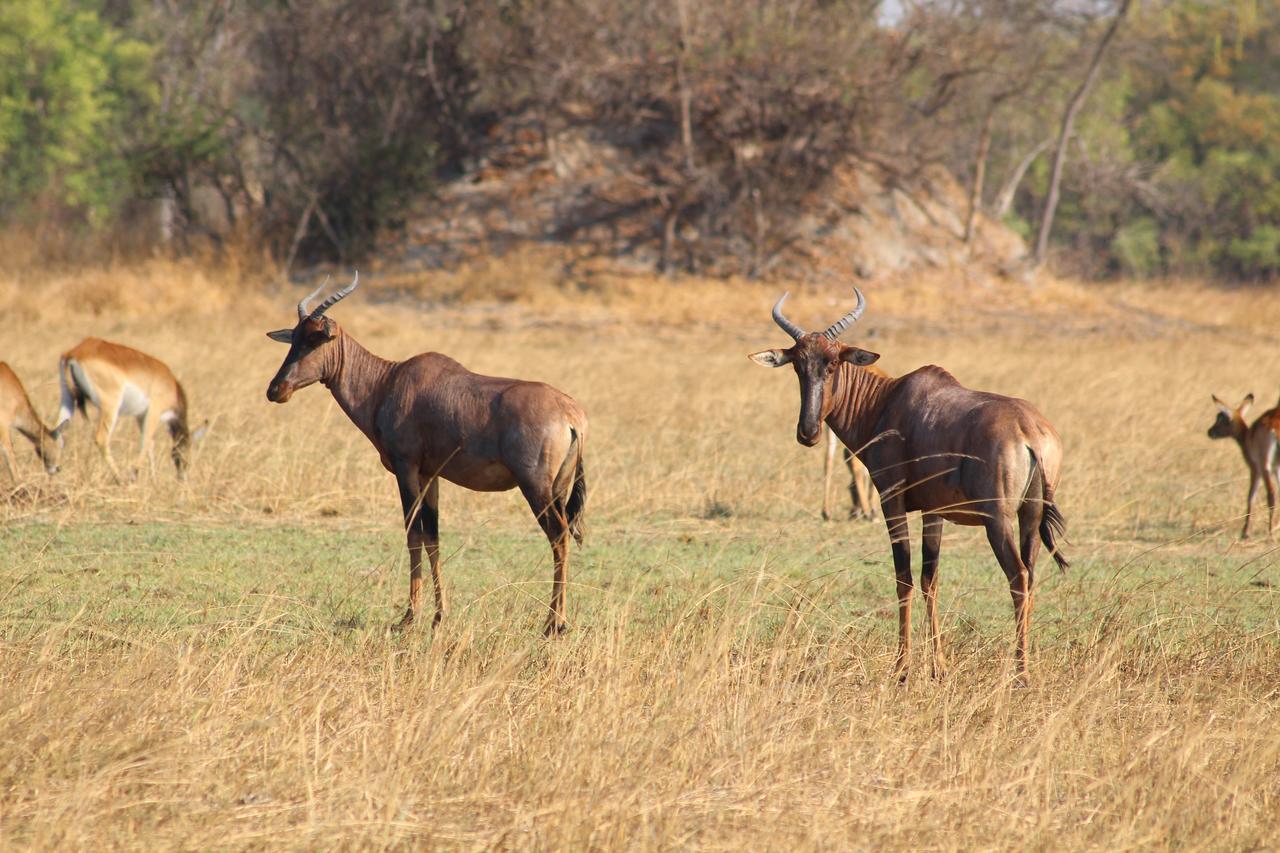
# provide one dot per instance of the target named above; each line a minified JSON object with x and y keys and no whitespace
{"x":17,"y":413}
{"x":122,"y":382}
{"x":936,"y":447}
{"x":429,"y":417}
{"x":1258,"y":445}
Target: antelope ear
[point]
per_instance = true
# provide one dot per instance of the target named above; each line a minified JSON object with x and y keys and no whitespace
{"x":860,"y":357}
{"x":1246,"y":403}
{"x":771,"y":357}
{"x":284,"y":336}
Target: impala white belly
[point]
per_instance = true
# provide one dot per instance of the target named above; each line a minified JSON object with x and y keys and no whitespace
{"x":133,"y":401}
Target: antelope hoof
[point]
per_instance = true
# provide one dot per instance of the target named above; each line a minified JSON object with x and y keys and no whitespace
{"x":555,"y":628}
{"x":437,"y":619}
{"x":405,"y":622}
{"x":939,"y":670}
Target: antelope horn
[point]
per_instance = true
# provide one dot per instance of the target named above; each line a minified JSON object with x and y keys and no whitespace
{"x":840,"y":325}
{"x":303,"y":310}
{"x":335,"y":298}
{"x":787,"y":326}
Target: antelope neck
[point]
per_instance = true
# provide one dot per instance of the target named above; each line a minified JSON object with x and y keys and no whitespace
{"x":356,"y":378}
{"x":857,"y":396}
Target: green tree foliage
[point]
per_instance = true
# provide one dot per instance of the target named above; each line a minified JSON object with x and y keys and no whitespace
{"x":70,"y":84}
{"x":1186,"y":142}
{"x":313,"y":126}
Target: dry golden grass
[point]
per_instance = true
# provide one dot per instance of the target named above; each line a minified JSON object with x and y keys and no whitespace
{"x":204,"y":664}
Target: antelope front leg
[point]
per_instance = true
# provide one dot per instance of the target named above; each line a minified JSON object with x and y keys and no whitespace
{"x":828,"y":466}
{"x":1270,"y":482}
{"x":930,"y":546}
{"x":1254,"y":478}
{"x":102,"y":434}
{"x":6,"y":448}
{"x":421,"y":514}
{"x":896,"y":520}
{"x":147,"y":424}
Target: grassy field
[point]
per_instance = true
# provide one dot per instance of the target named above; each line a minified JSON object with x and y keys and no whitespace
{"x":207,"y":664}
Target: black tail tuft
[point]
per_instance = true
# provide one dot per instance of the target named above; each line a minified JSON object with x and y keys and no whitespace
{"x":1052,"y":525}
{"x":577,"y":502}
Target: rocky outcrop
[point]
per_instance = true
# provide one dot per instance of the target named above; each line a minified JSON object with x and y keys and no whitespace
{"x":584,"y":191}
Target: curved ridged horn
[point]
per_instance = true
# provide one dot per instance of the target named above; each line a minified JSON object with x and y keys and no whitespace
{"x":834,"y":330}
{"x":335,"y":298}
{"x":787,"y":326}
{"x":303,"y":310}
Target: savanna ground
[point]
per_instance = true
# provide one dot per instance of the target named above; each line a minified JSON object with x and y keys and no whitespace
{"x":207,"y":664}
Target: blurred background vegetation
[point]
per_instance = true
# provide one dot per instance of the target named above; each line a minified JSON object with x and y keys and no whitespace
{"x":312,"y":129}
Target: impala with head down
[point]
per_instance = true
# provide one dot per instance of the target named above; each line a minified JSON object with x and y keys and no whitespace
{"x":122,"y":382}
{"x":17,"y":413}
{"x":939,"y":448}
{"x":429,"y":417}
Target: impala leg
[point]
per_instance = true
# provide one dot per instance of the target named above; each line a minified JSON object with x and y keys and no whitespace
{"x":895,"y":518}
{"x":828,"y":468}
{"x":6,"y":447}
{"x":931,"y":544}
{"x":147,"y":427}
{"x":861,"y":488}
{"x":551,"y":516}
{"x":1268,"y":480}
{"x":421,"y":514}
{"x":1000,"y":536}
{"x":1254,"y":478}
{"x":108,"y":413}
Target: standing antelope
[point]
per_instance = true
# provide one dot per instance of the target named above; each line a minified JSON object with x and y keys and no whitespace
{"x":16,"y":412}
{"x":1258,"y":444}
{"x":123,"y":382}
{"x":932,"y":445}
{"x":429,"y":417}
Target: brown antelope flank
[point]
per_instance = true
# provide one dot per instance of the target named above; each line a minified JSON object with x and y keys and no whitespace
{"x":1258,"y":444}
{"x":864,"y":501}
{"x":939,"y":448}
{"x":17,"y":413}
{"x":122,"y":382}
{"x":429,"y":417}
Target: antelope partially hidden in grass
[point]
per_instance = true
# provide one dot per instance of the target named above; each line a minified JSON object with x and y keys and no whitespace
{"x":17,"y":413}
{"x":1258,"y":445}
{"x":939,"y":448}
{"x":429,"y":417}
{"x":122,"y":382}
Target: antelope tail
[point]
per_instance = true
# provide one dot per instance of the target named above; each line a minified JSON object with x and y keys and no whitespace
{"x":577,"y":504}
{"x":1052,"y":525}
{"x":71,"y":396}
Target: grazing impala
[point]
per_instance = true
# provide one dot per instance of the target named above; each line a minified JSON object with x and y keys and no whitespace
{"x":123,"y":382}
{"x":16,"y":412}
{"x":934,"y":446}
{"x":1258,"y":444}
{"x":429,"y":417}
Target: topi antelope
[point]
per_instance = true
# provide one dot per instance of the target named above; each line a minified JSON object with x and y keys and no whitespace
{"x":1258,"y":445}
{"x":123,"y":382}
{"x":429,"y":417}
{"x":17,"y":413}
{"x":936,"y":447}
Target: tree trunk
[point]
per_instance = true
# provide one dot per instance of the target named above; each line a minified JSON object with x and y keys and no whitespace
{"x":682,"y":82}
{"x":1068,"y":119}
{"x":1004,"y":198}
{"x":979,"y":174}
